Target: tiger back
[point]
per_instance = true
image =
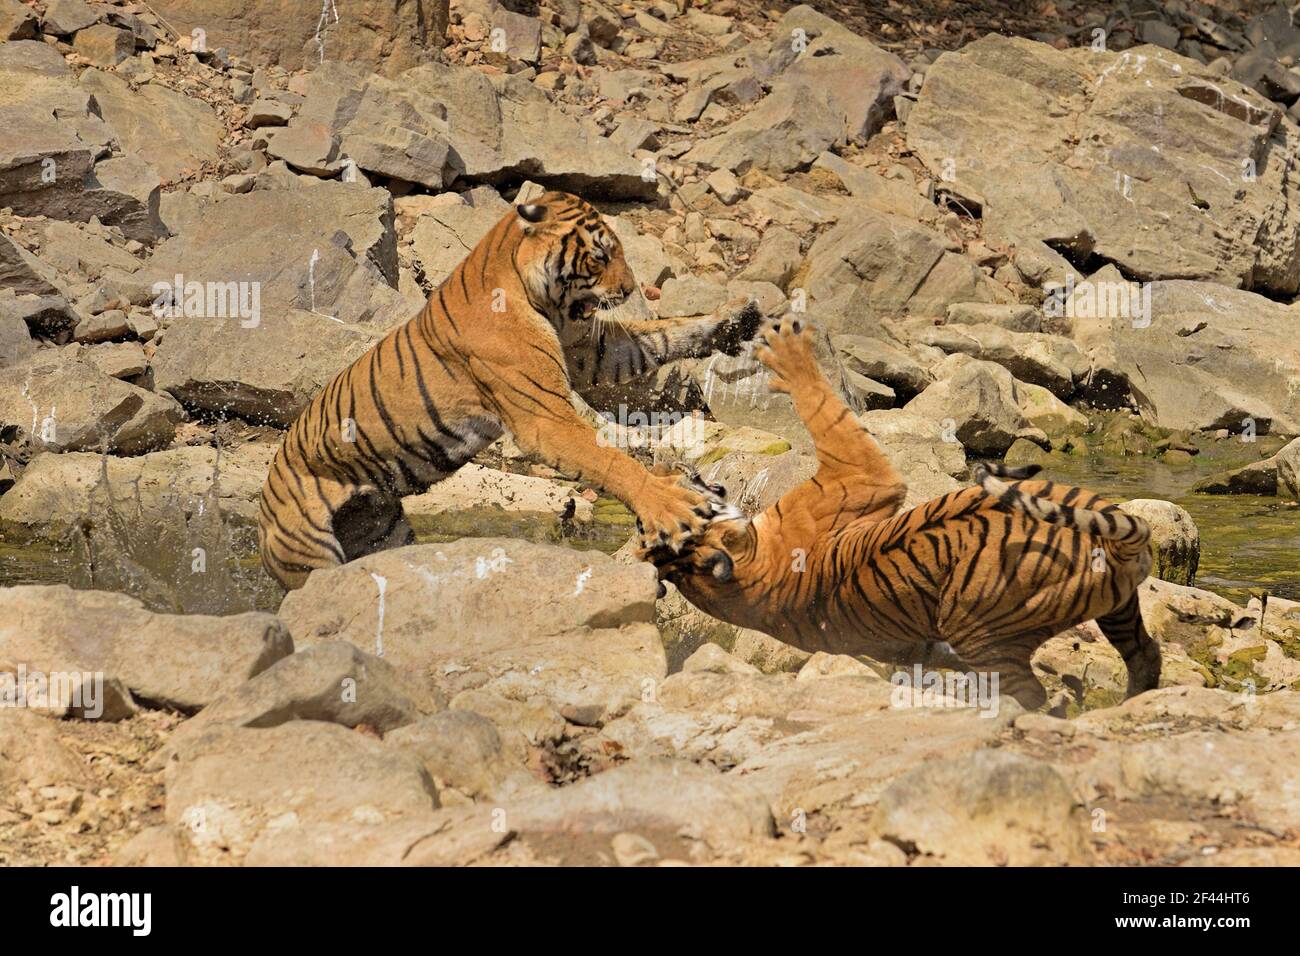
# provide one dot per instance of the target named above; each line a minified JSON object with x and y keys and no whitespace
{"x":483,"y":356}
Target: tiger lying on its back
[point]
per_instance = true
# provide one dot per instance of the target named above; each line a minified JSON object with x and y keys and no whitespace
{"x":485,"y":354}
{"x":992,"y":571}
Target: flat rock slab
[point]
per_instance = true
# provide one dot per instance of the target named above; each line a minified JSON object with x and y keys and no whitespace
{"x":375,"y":33}
{"x":267,"y":374}
{"x":328,"y":249}
{"x":671,"y":803}
{"x":332,"y":682}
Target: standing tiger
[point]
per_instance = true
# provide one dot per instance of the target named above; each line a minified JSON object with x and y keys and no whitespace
{"x":484,"y":355}
{"x":991,"y":571}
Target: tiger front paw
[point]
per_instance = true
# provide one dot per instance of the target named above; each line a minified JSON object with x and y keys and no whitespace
{"x":788,"y":352}
{"x":669,"y":515}
{"x":740,"y":321}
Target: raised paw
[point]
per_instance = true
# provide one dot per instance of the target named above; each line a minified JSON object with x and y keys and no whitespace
{"x":739,"y":321}
{"x":788,"y":352}
{"x":668,"y":514}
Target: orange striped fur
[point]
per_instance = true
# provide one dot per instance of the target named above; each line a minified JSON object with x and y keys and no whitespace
{"x":991,"y":571}
{"x":484,"y":356}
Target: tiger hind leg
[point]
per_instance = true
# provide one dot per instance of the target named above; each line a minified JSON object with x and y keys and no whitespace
{"x":1125,"y":630}
{"x":294,"y":542}
{"x":371,"y":521}
{"x":1008,"y":658}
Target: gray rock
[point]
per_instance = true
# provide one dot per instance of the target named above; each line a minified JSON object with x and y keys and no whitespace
{"x":266,"y":374}
{"x":179,"y":661}
{"x":331,"y":681}
{"x":55,"y":492}
{"x":891,"y":196}
{"x":664,"y":800}
{"x":17,"y":21}
{"x":890,"y":266}
{"x":1174,"y":539}
{"x":1051,"y":361}
{"x":1288,"y":470}
{"x":104,"y":45}
{"x":527,"y":604}
{"x":22,"y":273}
{"x":986,"y":808}
{"x":64,"y":406}
{"x":16,"y":343}
{"x":690,"y":296}
{"x":173,"y":131}
{"x":444,"y":234}
{"x":1012,"y":317}
{"x":230,"y":785}
{"x":32,"y":755}
{"x":45,"y":316}
{"x":978,"y":407}
{"x":376,"y":35}
{"x":118,"y":359}
{"x":65,"y":17}
{"x":1205,"y":357}
{"x":991,"y":121}
{"x":463,"y":750}
{"x":330,"y":249}
{"x":307,"y":146}
{"x":883,"y":362}
{"x":777,"y":259}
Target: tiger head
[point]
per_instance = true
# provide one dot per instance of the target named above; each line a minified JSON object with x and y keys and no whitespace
{"x":705,"y":569}
{"x":571,"y":260}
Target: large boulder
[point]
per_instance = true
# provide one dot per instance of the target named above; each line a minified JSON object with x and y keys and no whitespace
{"x":444,"y":234}
{"x":329,"y":249}
{"x":175,"y":133}
{"x":1206,"y":357}
{"x":1083,"y":150}
{"x":230,"y":785}
{"x":672,"y":804}
{"x":332,"y":681}
{"x":1052,"y":361}
{"x":1174,"y":539}
{"x":442,"y":123}
{"x":998,"y":809}
{"x":54,"y":156}
{"x":976,"y":405}
{"x":829,"y":87}
{"x":498,"y":616}
{"x":373,"y":33}
{"x":1288,"y":470}
{"x":883,"y":265}
{"x":70,"y":405}
{"x":178,"y":661}
{"x":265,"y":374}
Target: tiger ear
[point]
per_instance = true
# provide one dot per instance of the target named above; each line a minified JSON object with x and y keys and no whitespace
{"x":531,"y":212}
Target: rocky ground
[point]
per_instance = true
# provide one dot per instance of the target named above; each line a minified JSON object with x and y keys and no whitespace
{"x":1031,"y":231}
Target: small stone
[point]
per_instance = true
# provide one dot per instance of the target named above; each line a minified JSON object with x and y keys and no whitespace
{"x":104,"y":327}
{"x":726,"y":186}
{"x":632,"y":849}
